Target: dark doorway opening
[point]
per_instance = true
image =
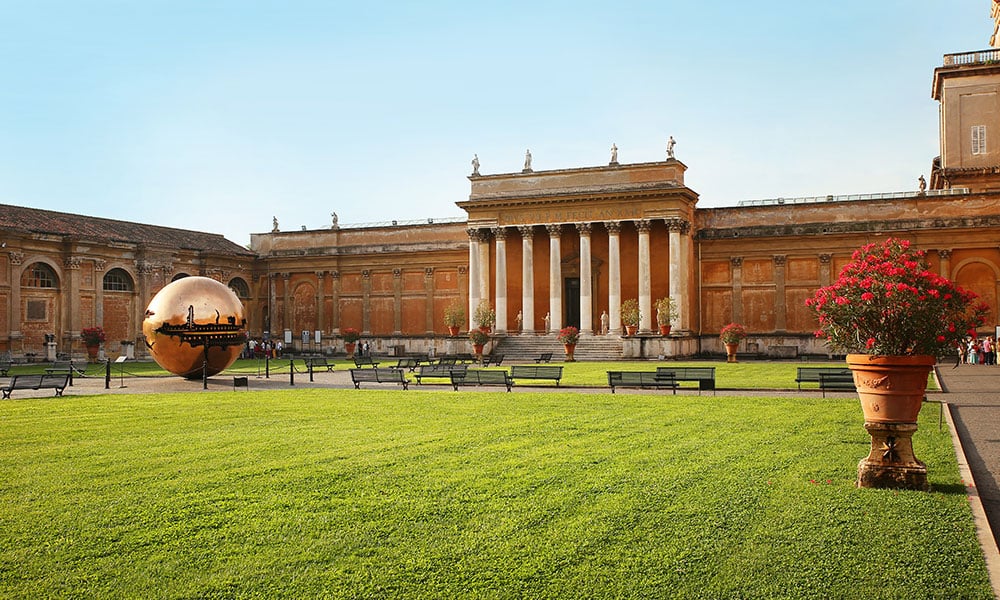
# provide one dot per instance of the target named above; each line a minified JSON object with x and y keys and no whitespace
{"x":571,"y":296}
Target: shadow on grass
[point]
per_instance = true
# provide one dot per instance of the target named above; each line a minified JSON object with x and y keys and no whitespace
{"x":952,"y":489}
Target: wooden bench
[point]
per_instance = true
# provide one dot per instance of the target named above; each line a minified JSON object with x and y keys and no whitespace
{"x":61,"y":367}
{"x":319,"y":362}
{"x":481,"y":377}
{"x":553,"y":372}
{"x":811,"y":374}
{"x":544,"y":357}
{"x":496,"y":359}
{"x":439,"y":370}
{"x":836,"y":381}
{"x":408,"y":363}
{"x":465,"y":357}
{"x":641,"y":379}
{"x":49,"y":381}
{"x":705,"y":376}
{"x":360,"y":361}
{"x":377,"y":375}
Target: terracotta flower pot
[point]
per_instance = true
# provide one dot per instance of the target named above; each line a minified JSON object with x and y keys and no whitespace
{"x":631,"y":329}
{"x":92,"y":352}
{"x":731,"y":351}
{"x":453,"y":330}
{"x":570,"y":348}
{"x":891,"y":388}
{"x":478,"y":349}
{"x":664,"y":330}
{"x":349,"y":348}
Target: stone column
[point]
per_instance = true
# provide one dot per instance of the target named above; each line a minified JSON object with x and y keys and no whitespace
{"x":645,"y":295}
{"x":586,"y":298}
{"x":72,"y":319}
{"x":945,"y":256}
{"x":366,"y":302}
{"x":780,"y":312}
{"x":320,"y":299}
{"x":527,"y":278}
{"x":335,"y":301}
{"x":429,"y":299}
{"x":824,"y":269}
{"x":500,"y":235}
{"x":14,"y":316}
{"x":397,"y":301}
{"x":474,"y":268}
{"x":685,"y":302}
{"x":99,"y":266}
{"x":555,"y":277}
{"x":614,"y":278}
{"x":286,"y":305}
{"x":675,"y":273}
{"x":484,"y":264}
{"x":737,"y":266}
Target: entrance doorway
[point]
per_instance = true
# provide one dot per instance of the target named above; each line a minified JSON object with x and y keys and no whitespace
{"x":571,"y":297}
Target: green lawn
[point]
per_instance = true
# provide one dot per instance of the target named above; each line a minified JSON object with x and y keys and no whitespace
{"x":388,"y":494}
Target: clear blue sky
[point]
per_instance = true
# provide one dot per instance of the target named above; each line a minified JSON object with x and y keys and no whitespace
{"x":218,"y":115}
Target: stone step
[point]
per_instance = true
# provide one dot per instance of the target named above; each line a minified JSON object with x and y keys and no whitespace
{"x":529,"y":347}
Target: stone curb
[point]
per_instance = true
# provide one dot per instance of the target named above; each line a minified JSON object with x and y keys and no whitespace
{"x":983,"y":530}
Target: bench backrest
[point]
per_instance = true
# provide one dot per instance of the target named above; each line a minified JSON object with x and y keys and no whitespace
{"x":364,"y":375}
{"x":813,"y":373}
{"x":545,"y":371}
{"x":687,"y":372}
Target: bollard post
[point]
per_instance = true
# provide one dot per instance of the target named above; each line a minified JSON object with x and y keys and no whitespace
{"x":204,"y":375}
{"x":310,"y":363}
{"x":107,"y":374}
{"x":267,"y":366}
{"x":291,"y":371}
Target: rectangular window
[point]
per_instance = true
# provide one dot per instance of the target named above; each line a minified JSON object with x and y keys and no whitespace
{"x":979,"y":139}
{"x":36,"y":310}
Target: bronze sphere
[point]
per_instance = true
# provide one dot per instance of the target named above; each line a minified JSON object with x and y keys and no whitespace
{"x":194,"y":321}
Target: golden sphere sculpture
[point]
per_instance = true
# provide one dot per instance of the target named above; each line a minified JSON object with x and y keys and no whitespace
{"x":194,"y":321}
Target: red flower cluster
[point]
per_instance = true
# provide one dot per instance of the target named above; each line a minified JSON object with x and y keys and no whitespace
{"x":350,"y":335}
{"x":888,"y":302}
{"x":92,"y":336}
{"x":732,"y":333}
{"x":569,"y":335}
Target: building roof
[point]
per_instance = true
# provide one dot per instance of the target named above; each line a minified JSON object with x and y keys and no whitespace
{"x":22,"y":220}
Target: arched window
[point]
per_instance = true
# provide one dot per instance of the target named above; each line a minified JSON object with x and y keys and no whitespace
{"x":240,"y":287}
{"x":118,"y":280}
{"x":178,"y":276}
{"x":39,"y":275}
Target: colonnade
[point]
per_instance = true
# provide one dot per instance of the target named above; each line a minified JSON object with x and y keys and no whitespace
{"x":680,"y":264}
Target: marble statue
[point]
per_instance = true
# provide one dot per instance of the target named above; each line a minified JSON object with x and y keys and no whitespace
{"x":670,"y":147}
{"x":475,"y":164}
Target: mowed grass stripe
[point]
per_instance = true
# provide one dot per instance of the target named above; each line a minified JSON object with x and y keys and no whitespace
{"x":341,"y":493}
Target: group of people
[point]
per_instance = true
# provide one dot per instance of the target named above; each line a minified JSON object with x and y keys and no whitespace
{"x":262,"y":348}
{"x":980,"y":351}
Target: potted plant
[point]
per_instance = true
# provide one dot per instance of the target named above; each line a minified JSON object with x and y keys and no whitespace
{"x":666,"y":313}
{"x":569,"y":336}
{"x":731,"y":335}
{"x":630,"y":316}
{"x":893,"y":316}
{"x":485,"y":316}
{"x":479,"y":339}
{"x":350,"y":336}
{"x":454,"y":317}
{"x":92,"y":338}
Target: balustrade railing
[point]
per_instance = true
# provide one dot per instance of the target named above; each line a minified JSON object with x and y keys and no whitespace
{"x":972,"y":58}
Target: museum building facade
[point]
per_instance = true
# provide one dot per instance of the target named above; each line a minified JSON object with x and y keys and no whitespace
{"x":546,"y":249}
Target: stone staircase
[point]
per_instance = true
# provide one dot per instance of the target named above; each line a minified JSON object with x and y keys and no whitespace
{"x":529,"y":347}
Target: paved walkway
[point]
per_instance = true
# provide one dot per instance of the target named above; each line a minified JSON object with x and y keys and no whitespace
{"x":973,"y":396}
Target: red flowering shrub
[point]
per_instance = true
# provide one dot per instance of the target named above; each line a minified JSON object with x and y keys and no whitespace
{"x":887,"y":302}
{"x":732,"y":333}
{"x":92,"y":336}
{"x":350,"y":335}
{"x":569,"y":335}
